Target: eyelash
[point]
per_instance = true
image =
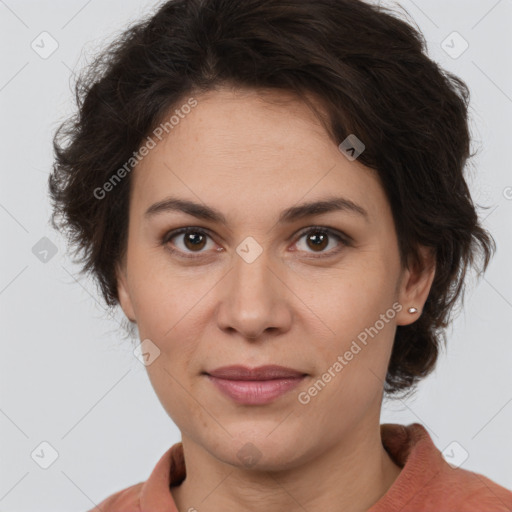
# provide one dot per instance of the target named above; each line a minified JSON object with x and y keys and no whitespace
{"x":344,"y":240}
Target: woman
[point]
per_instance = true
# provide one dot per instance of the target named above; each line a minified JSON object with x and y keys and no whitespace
{"x":273,"y":192}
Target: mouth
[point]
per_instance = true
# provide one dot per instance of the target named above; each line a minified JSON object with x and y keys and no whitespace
{"x":255,"y":386}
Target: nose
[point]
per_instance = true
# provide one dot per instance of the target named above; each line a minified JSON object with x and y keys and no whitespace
{"x":254,"y":300}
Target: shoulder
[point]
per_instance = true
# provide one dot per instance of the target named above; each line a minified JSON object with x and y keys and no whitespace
{"x":154,"y":493}
{"x":475,"y":491}
{"x":478,"y":491}
{"x":126,"y":500}
{"x":428,"y":482}
{"x":471,"y":492}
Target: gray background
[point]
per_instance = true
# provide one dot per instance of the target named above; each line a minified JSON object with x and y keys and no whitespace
{"x":66,"y":375}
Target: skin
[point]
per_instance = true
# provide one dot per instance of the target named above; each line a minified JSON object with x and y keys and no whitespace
{"x":251,"y":155}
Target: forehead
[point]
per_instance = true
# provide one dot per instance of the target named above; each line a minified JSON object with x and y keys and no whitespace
{"x":256,"y":150}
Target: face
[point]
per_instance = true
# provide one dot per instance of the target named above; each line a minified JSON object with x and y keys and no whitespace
{"x":321,"y":293}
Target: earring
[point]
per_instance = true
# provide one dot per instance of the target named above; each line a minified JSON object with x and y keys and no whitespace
{"x":412,"y":310}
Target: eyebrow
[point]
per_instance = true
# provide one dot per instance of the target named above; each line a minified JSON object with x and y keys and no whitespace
{"x":201,"y":211}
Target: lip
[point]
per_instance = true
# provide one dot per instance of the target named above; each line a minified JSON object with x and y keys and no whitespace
{"x":267,"y":372}
{"x":255,"y":386}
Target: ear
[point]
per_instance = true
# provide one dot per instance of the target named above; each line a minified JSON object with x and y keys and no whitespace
{"x":415,"y":285}
{"x":123,"y":292}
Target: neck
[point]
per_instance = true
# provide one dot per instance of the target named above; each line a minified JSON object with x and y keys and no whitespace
{"x":350,"y":475}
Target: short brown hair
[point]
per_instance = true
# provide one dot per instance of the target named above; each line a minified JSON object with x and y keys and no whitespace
{"x":367,"y":67}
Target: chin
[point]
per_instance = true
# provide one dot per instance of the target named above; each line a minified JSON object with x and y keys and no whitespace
{"x":257,"y":450}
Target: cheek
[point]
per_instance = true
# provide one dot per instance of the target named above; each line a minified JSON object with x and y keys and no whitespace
{"x":171,"y":314}
{"x":347,"y":300}
{"x":164,"y":296}
{"x":171,"y":310}
{"x":355,"y":308}
{"x":352,"y":362}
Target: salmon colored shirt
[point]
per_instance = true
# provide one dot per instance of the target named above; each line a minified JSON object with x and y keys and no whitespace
{"x":426,"y":483}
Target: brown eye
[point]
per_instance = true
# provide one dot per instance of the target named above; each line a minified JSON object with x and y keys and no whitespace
{"x":317,"y":239}
{"x":194,"y":241}
{"x":186,"y":241}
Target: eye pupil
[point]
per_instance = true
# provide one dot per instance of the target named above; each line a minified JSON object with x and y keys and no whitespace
{"x":319,"y":240}
{"x":194,"y":238}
